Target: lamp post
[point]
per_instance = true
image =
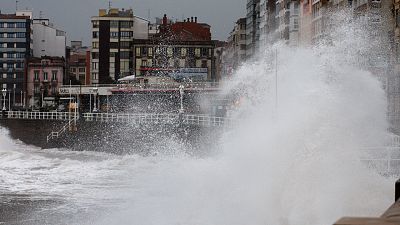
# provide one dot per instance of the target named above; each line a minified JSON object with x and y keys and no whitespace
{"x":90,"y":100}
{"x":95,"y":90}
{"x":181,"y":92}
{"x":42,"y":91}
{"x":9,"y":100}
{"x":4,"y":92}
{"x":22,"y":99}
{"x":14,"y":95}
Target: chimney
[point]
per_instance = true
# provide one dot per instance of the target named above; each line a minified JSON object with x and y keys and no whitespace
{"x":165,"y":20}
{"x":191,"y":19}
{"x":195,"y":19}
{"x":188,"y":19}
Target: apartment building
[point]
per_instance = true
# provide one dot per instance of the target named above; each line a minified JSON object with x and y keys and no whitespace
{"x":252,"y":27}
{"x":113,"y":32}
{"x":15,"y":48}
{"x":47,"y":39}
{"x":182,"y":50}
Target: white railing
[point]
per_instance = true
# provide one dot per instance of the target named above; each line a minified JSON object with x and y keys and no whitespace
{"x":385,"y":159}
{"x":56,"y":134}
{"x":200,"y":120}
{"x":40,"y":115}
{"x":203,"y":120}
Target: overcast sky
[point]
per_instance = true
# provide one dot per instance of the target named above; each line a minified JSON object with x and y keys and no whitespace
{"x":73,"y":16}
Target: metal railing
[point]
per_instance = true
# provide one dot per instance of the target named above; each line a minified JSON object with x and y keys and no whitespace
{"x":200,"y":120}
{"x":57,"y":134}
{"x":151,"y":85}
{"x":39,"y":115}
{"x":384,"y":159}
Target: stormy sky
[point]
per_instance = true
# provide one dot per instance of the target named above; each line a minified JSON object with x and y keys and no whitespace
{"x":73,"y":16}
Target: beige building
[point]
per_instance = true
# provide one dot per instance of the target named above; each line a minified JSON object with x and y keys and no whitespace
{"x":113,"y":32}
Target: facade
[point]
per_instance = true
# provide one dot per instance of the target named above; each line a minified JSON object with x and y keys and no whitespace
{"x":305,"y":33}
{"x":183,"y":50}
{"x":112,"y":42}
{"x":48,"y":41}
{"x":252,"y":27}
{"x":78,"y":64}
{"x":267,"y":22}
{"x":45,"y":76}
{"x":235,"y":53}
{"x":15,"y":49}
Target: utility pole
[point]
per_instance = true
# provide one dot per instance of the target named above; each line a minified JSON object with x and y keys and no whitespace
{"x":276,"y":79}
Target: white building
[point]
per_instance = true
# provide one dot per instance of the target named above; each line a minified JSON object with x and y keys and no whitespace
{"x":48,"y":40}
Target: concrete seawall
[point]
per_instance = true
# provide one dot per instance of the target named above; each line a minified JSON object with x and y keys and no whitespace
{"x":115,"y":138}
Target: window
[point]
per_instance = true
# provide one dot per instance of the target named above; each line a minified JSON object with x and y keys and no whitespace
{"x":20,"y":35}
{"x":95,"y":55}
{"x":95,"y":76}
{"x":204,"y":52}
{"x":10,"y":55}
{"x":4,"y":75}
{"x":10,"y":65}
{"x":126,"y":24}
{"x":95,"y":65}
{"x":125,"y":44}
{"x":113,"y":24}
{"x":20,"y":25}
{"x":15,"y":76}
{"x":126,"y":34}
{"x":243,"y":37}
{"x":82,"y":70}
{"x":204,"y":63}
{"x":19,"y":55}
{"x":124,"y":55}
{"x":183,"y":52}
{"x":1,"y":25}
{"x":1,"y":35}
{"x":10,"y":25}
{"x":3,"y":45}
{"x":191,"y":52}
{"x":144,"y":51}
{"x":114,"y":45}
{"x":95,"y":44}
{"x":36,"y":75}
{"x":95,"y":24}
{"x":73,"y":69}
{"x":197,"y":52}
{"x":54,"y":75}
{"x":20,"y":65}
{"x":45,"y":76}
{"x":114,"y":34}
{"x":20,"y":45}
{"x":10,"y":45}
{"x":137,"y":51}
{"x":95,"y":34}
{"x":150,"y":51}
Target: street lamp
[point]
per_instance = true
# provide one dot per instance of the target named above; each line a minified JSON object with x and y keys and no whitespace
{"x":95,"y":90}
{"x":181,"y":92}
{"x":42,"y":91}
{"x":90,"y":100}
{"x":4,"y":92}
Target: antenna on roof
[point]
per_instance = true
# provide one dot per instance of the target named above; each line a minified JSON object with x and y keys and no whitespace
{"x":16,"y":5}
{"x":148,"y":15}
{"x":40,"y":14}
{"x":109,"y":4}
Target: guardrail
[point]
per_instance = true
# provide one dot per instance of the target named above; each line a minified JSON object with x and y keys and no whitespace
{"x":200,"y":120}
{"x":57,"y":134}
{"x":152,"y":85}
{"x":39,"y":115}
